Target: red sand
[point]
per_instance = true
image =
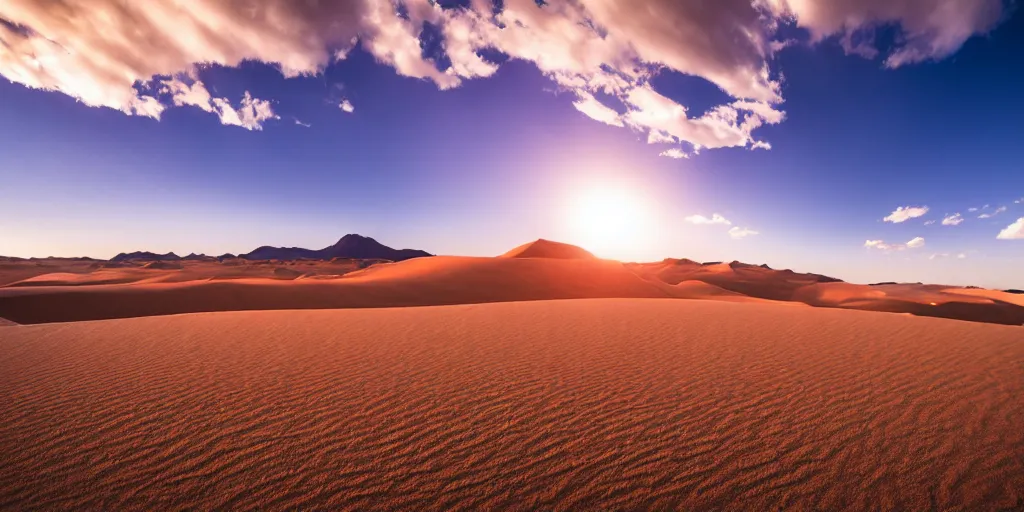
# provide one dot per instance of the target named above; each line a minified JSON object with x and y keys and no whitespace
{"x":61,"y":291}
{"x":558,"y":405}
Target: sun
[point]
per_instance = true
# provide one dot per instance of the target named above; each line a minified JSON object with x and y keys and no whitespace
{"x":610,"y":221}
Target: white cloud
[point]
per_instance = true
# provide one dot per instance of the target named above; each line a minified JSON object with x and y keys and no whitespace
{"x":972,"y":210}
{"x":927,"y":30}
{"x":112,"y":53}
{"x":737,"y":232}
{"x":953,"y":220}
{"x":347,"y":106}
{"x":715,"y":219}
{"x":961,"y":256}
{"x":914,"y":243}
{"x":995,"y":212}
{"x":929,"y":222}
{"x":674,"y":153}
{"x":1019,"y":201}
{"x":938,"y":255}
{"x":250,"y":115}
{"x":300,"y":123}
{"x":721,"y":127}
{"x":904,"y":213}
{"x":596,"y":110}
{"x":1014,"y":231}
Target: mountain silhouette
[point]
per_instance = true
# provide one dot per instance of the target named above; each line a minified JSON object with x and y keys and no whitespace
{"x":349,"y":246}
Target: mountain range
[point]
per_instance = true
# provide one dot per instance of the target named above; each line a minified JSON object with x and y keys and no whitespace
{"x":349,"y":246}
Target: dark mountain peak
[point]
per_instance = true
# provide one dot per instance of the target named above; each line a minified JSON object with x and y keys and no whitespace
{"x":353,"y":240}
{"x":145,"y":255}
{"x":349,"y":246}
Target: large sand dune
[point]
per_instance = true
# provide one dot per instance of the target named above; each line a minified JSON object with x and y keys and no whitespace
{"x":61,"y":291}
{"x":564,"y":405}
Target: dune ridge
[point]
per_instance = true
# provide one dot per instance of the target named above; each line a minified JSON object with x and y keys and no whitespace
{"x":613,"y":404}
{"x":540,"y":270}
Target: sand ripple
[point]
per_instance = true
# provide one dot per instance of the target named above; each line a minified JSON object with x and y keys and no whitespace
{"x":563,"y":405}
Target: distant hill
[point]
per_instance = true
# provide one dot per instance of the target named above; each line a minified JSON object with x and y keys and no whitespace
{"x":350,"y":246}
{"x":145,"y":255}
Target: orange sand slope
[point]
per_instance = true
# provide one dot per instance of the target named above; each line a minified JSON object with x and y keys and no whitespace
{"x":559,"y":405}
{"x":53,"y":290}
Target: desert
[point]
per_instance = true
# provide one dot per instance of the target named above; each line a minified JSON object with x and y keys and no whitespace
{"x":557,"y":405}
{"x":511,"y":255}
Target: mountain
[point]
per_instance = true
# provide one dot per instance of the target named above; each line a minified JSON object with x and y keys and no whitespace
{"x":350,"y":246}
{"x":198,"y":257}
{"x":145,"y":255}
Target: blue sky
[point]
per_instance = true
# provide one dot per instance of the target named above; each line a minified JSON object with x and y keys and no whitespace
{"x":504,"y":157}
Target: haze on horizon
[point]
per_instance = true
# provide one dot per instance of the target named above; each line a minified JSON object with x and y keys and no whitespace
{"x":866,"y":140}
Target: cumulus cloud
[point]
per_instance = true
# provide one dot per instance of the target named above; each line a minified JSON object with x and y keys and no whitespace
{"x":347,"y":106}
{"x":953,"y":220}
{"x":914,"y":243}
{"x":715,"y":219}
{"x":995,"y":212}
{"x":905,"y":213}
{"x":926,"y":30}
{"x":116,"y":54}
{"x":737,"y":232}
{"x":674,"y":153}
{"x":1014,"y":231}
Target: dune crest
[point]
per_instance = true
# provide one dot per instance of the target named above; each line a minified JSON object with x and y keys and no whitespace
{"x":55,"y":290}
{"x":547,"y":249}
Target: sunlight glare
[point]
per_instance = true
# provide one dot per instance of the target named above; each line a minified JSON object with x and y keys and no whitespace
{"x":611,"y":222}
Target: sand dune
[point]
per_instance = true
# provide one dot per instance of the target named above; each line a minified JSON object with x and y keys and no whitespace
{"x":1012,"y":298}
{"x":565,"y":405}
{"x":52,"y":291}
{"x":419,"y":282}
{"x":548,"y":249}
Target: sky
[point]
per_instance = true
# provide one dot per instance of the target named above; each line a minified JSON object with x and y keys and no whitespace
{"x":870,"y":140}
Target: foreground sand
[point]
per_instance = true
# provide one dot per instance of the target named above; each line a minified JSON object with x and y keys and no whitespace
{"x":565,"y":405}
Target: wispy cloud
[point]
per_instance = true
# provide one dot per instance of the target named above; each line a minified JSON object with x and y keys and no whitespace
{"x":914,"y":243}
{"x":995,"y":212}
{"x":300,"y":123}
{"x":929,"y":222}
{"x":737,"y":232}
{"x":953,"y":220}
{"x":715,"y":219}
{"x":112,"y":53}
{"x":905,"y":213}
{"x":596,"y":110}
{"x":674,"y":153}
{"x":972,"y":210}
{"x":186,"y":90}
{"x":1014,"y":231}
